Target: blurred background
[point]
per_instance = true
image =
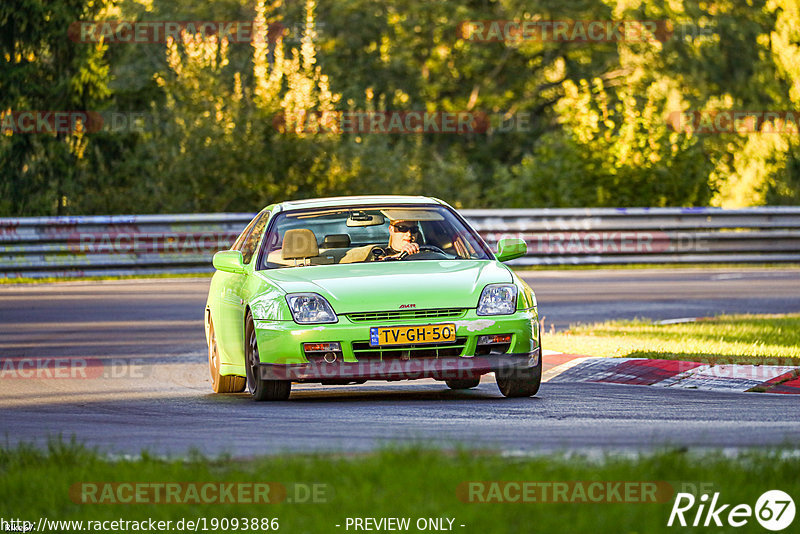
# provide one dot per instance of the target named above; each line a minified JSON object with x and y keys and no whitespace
{"x":195,"y":124}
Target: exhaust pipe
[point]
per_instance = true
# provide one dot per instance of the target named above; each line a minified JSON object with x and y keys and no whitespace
{"x":329,"y":357}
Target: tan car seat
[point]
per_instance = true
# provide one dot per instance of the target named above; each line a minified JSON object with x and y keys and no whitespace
{"x":299,"y":244}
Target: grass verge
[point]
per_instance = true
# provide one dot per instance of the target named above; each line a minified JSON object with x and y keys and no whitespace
{"x":747,"y":339}
{"x":414,"y":483}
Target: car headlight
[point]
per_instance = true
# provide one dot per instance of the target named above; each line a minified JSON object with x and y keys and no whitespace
{"x":310,"y":308}
{"x":498,"y":299}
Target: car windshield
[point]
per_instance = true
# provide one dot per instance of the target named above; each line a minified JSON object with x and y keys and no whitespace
{"x":329,"y":236}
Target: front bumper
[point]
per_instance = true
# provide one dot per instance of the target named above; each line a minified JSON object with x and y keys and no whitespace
{"x":448,"y":368}
{"x":281,"y":342}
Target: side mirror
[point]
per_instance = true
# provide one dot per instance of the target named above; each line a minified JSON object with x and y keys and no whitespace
{"x":510,"y":249}
{"x":229,"y":261}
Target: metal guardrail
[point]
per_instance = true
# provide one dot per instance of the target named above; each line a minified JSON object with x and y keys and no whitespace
{"x":121,"y":245}
{"x":115,"y":245}
{"x":597,"y":236}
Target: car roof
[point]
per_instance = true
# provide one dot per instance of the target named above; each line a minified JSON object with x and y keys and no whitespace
{"x":363,"y":200}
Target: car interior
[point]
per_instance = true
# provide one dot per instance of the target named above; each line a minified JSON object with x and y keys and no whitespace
{"x":352,"y":240}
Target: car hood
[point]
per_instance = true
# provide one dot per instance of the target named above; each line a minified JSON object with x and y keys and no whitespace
{"x":385,"y":286}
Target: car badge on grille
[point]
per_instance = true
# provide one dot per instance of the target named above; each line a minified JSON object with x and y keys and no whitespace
{"x":406,"y":306}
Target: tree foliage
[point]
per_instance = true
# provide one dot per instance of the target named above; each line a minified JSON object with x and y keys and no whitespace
{"x":41,"y":70}
{"x":229,"y":126}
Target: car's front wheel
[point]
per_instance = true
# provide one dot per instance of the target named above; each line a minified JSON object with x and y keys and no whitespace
{"x":259,"y":389}
{"x":220,"y":383}
{"x":521,"y":382}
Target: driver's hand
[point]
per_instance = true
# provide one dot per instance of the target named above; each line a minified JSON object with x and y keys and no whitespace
{"x":376,"y":254}
{"x":410,"y":248}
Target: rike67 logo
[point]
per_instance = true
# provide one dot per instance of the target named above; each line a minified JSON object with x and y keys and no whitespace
{"x":774,"y":510}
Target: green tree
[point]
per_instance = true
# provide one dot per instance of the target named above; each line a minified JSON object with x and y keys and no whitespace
{"x":41,"y":69}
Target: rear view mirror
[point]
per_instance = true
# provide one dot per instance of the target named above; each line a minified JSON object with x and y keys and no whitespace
{"x":360,"y":218}
{"x":510,"y":249}
{"x":229,"y":261}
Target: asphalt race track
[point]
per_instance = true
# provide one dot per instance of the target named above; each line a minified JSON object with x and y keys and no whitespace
{"x":141,"y":379}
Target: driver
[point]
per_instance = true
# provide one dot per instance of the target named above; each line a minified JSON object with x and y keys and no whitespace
{"x":402,"y":238}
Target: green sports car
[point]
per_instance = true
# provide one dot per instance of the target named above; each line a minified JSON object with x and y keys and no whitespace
{"x":345,"y":290}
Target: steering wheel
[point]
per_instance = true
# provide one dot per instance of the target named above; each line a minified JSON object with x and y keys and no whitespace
{"x":423,"y":248}
{"x":432,"y":248}
{"x":378,"y":253}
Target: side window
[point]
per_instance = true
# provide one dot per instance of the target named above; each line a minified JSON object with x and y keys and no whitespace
{"x":237,"y":245}
{"x":251,"y":243}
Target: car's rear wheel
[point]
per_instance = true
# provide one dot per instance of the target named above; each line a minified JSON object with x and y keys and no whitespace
{"x":463,"y":383}
{"x":259,"y":389}
{"x":220,"y":383}
{"x":521,"y":382}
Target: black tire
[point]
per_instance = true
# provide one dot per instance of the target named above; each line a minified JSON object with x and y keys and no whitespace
{"x":463,"y":383}
{"x":221,"y":383}
{"x":521,"y":382}
{"x":260,"y":390}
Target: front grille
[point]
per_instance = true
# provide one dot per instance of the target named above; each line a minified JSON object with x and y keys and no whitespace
{"x":363,"y":351}
{"x":406,"y":314}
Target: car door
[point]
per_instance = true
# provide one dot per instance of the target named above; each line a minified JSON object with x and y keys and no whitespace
{"x":229,"y":323}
